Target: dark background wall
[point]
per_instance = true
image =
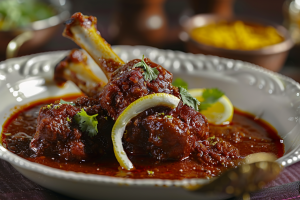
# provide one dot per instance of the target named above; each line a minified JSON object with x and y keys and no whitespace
{"x":174,"y":11}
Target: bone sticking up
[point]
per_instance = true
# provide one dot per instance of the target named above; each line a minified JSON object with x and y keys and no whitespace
{"x":75,"y":68}
{"x":83,"y":31}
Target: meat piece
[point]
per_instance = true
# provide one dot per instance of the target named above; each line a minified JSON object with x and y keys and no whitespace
{"x":55,"y":135}
{"x":87,"y":102}
{"x":165,"y":134}
{"x":197,"y":123}
{"x":215,"y":151}
{"x":136,"y":136}
{"x":58,"y":135}
{"x":169,"y":138}
{"x":127,"y":84}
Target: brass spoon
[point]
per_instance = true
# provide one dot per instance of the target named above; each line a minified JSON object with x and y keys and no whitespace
{"x":257,"y":170}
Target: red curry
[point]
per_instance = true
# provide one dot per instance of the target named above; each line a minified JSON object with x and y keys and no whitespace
{"x":247,"y":134}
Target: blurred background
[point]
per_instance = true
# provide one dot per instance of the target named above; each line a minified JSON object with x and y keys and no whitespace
{"x":159,"y":23}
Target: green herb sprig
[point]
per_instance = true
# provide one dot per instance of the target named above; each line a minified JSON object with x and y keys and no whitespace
{"x":87,"y":123}
{"x":210,"y":97}
{"x":66,"y":102}
{"x":149,"y":72}
{"x":178,"y":82}
{"x":188,"y":99}
{"x":168,"y":117}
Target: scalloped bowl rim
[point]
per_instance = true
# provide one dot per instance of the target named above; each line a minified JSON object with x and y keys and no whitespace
{"x":92,"y":178}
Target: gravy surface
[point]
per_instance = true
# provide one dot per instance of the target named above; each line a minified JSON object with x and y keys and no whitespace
{"x":245,"y":132}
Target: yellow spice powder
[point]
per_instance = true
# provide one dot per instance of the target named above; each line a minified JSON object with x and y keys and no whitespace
{"x":236,"y":35}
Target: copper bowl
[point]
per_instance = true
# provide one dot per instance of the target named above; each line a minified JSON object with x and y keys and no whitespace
{"x":270,"y":57}
{"x":36,"y":33}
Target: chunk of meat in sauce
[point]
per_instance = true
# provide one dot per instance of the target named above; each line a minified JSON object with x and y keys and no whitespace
{"x":166,"y":134}
{"x":127,"y":84}
{"x":169,"y":137}
{"x":216,"y":152}
{"x":57,"y":135}
{"x":54,"y":133}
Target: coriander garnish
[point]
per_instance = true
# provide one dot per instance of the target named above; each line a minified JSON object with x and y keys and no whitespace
{"x":187,"y":99}
{"x":210,"y":97}
{"x":178,"y":82}
{"x":159,"y":114}
{"x":66,"y":102}
{"x":87,"y":123}
{"x":168,"y":116}
{"x":149,"y":72}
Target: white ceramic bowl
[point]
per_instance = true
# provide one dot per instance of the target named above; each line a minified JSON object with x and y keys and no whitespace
{"x":268,"y":95}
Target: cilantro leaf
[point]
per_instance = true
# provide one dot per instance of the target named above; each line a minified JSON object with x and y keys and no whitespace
{"x":87,"y":123}
{"x":210,"y":96}
{"x":211,"y":138}
{"x":149,"y":72}
{"x":211,"y":142}
{"x":187,"y":98}
{"x":179,"y":82}
{"x":66,"y":102}
{"x":204,"y":105}
{"x":168,"y":117}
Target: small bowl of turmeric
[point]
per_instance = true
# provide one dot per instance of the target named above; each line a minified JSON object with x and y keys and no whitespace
{"x":259,"y":42}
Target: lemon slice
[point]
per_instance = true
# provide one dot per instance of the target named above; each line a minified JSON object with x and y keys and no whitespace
{"x":136,"y":107}
{"x":220,"y":112}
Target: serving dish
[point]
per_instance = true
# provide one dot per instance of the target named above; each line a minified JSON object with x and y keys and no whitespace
{"x":268,"y":95}
{"x":270,"y":57}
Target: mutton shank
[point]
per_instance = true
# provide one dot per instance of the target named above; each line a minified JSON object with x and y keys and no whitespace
{"x":74,"y":68}
{"x":82,"y":30}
